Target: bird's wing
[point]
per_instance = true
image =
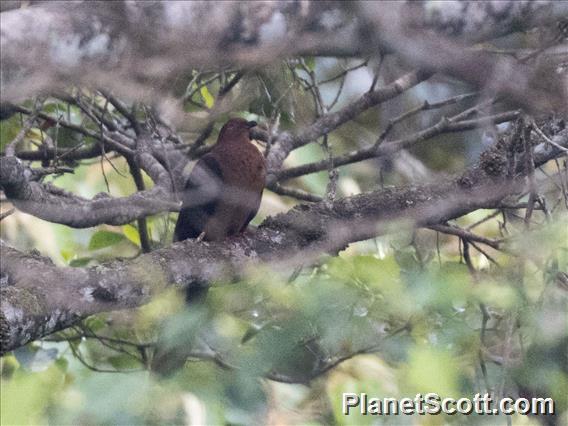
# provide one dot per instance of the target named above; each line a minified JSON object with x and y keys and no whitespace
{"x":200,"y":198}
{"x":255,"y":196}
{"x":252,"y":213}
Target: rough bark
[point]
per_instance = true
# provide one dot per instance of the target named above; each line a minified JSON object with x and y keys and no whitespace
{"x":138,"y":48}
{"x":39,"y":298}
{"x":127,"y":46}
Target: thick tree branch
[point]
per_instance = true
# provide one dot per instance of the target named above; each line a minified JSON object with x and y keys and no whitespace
{"x":31,"y":310}
{"x":535,"y":86}
{"x":108,"y":44}
{"x":77,"y":212}
{"x":126,"y":46}
{"x":55,"y":205}
{"x":129,"y":47}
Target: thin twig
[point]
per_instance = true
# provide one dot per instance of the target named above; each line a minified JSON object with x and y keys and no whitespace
{"x":343,"y":73}
{"x":484,"y":253}
{"x":209,"y":128}
{"x":77,"y":353}
{"x":529,"y":158}
{"x":6,"y":214}
{"x":142,"y":223}
{"x":466,"y":235}
{"x":123,"y":109}
{"x":545,"y":138}
{"x":445,"y":125}
{"x":11,"y":147}
{"x":113,"y":144}
{"x":425,"y":106}
{"x":296,"y":193}
{"x":485,"y":219}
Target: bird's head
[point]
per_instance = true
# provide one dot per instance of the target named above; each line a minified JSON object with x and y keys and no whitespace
{"x":235,"y":129}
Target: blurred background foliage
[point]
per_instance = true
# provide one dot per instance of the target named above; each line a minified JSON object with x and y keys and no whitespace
{"x":413,"y":311}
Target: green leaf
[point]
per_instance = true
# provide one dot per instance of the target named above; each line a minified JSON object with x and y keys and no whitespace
{"x":24,"y":398}
{"x":95,"y":323}
{"x":432,"y":370}
{"x":67,"y":255}
{"x":102,"y":239}
{"x":36,"y":135}
{"x":253,"y":330}
{"x":132,"y":234}
{"x":123,"y":362}
{"x":80,"y":262}
{"x":35,"y":358}
{"x":8,"y":130}
{"x":310,"y":63}
{"x":207,"y":97}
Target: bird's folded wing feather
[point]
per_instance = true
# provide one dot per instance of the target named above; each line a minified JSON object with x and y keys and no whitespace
{"x":200,"y":198}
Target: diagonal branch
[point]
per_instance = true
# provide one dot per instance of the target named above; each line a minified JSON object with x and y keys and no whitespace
{"x":286,"y":142}
{"x":53,"y":44}
{"x":31,"y":310}
{"x":387,"y":148}
{"x":55,"y":205}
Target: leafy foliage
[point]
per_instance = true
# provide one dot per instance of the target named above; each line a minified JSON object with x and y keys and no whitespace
{"x":419,"y":323}
{"x":412,"y":312}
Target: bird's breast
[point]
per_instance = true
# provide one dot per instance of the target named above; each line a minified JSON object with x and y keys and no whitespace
{"x":244,"y":167}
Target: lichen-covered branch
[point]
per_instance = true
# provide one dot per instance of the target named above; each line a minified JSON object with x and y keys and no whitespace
{"x":51,"y":203}
{"x":535,"y":86}
{"x":32,"y":308}
{"x":128,"y":46}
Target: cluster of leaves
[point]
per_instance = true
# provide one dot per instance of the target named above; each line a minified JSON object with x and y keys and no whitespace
{"x":404,"y":322}
{"x":390,"y":317}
